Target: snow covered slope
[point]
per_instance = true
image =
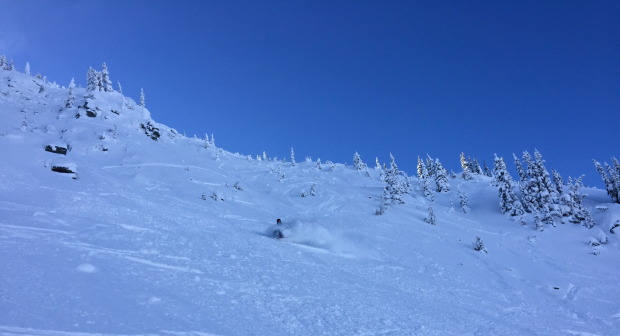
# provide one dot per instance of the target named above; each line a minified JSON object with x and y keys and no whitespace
{"x":140,"y":230}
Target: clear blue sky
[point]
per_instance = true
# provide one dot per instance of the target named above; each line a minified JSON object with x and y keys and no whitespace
{"x":333,"y":77}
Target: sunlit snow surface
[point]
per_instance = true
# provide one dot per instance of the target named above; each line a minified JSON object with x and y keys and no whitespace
{"x":131,"y":246}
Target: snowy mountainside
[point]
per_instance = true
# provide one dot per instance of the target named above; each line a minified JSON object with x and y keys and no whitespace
{"x":155,"y":233}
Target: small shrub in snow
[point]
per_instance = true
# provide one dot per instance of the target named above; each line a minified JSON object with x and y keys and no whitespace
{"x":593,"y":242}
{"x":478,"y":245}
{"x":381,"y":210}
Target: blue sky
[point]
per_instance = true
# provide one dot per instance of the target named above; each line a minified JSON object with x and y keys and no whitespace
{"x":329,"y":78}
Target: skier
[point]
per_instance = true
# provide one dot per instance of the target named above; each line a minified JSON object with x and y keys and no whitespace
{"x":277,"y":233}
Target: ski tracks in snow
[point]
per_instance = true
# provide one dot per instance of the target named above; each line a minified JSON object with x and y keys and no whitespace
{"x":17,"y":331}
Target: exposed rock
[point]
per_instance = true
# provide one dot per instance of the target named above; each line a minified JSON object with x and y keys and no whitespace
{"x":150,"y":130}
{"x":56,"y":149}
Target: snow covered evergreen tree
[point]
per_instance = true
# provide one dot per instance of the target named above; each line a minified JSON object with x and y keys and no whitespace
{"x":142,"y":98}
{"x":99,"y":77}
{"x":519,"y":167}
{"x":573,"y":199}
{"x":396,"y":184}
{"x":557,"y":182}
{"x":106,"y":83}
{"x":548,"y":196}
{"x":430,"y":166}
{"x":70,"y":99}
{"x":530,"y":186}
{"x":464,"y":202}
{"x":509,"y":202}
{"x":120,"y":88}
{"x":478,"y":245}
{"x":474,"y":166}
{"x":91,"y":80}
{"x":466,"y":175}
{"x":538,"y":191}
{"x":537,"y":221}
{"x":293,"y":157}
{"x":487,"y":171}
{"x":611,"y":180}
{"x":441,"y":177}
{"x":424,"y":178}
{"x":421,"y":168}
{"x":358,"y":164}
{"x":27,"y":69}
{"x":430,"y":218}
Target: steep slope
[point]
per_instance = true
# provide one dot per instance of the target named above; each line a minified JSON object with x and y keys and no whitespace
{"x":166,"y":236}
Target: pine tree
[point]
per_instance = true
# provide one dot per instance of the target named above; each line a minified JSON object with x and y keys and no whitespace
{"x":548,"y":195}
{"x":529,"y":184}
{"x":611,"y":178}
{"x":105,"y":79}
{"x":509,"y":203}
{"x":474,"y":166}
{"x":478,"y":245}
{"x":464,"y":202}
{"x":487,"y":171}
{"x":27,"y":69}
{"x":395,"y":187}
{"x":99,"y":78}
{"x":91,"y":80}
{"x":120,"y":88}
{"x":537,"y":221}
{"x":466,"y":175}
{"x":142,"y":98}
{"x":421,"y":168}
{"x":519,"y":167}
{"x":377,"y":164}
{"x":357,"y":162}
{"x":430,"y":218}
{"x":424,"y":177}
{"x":430,"y":166}
{"x":3,"y":62}
{"x":574,"y":200}
{"x":70,"y":98}
{"x":293,"y":157}
{"x":441,"y":177}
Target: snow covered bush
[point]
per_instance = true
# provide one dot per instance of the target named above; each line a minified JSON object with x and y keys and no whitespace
{"x":478,"y":245}
{"x":431,"y":216}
